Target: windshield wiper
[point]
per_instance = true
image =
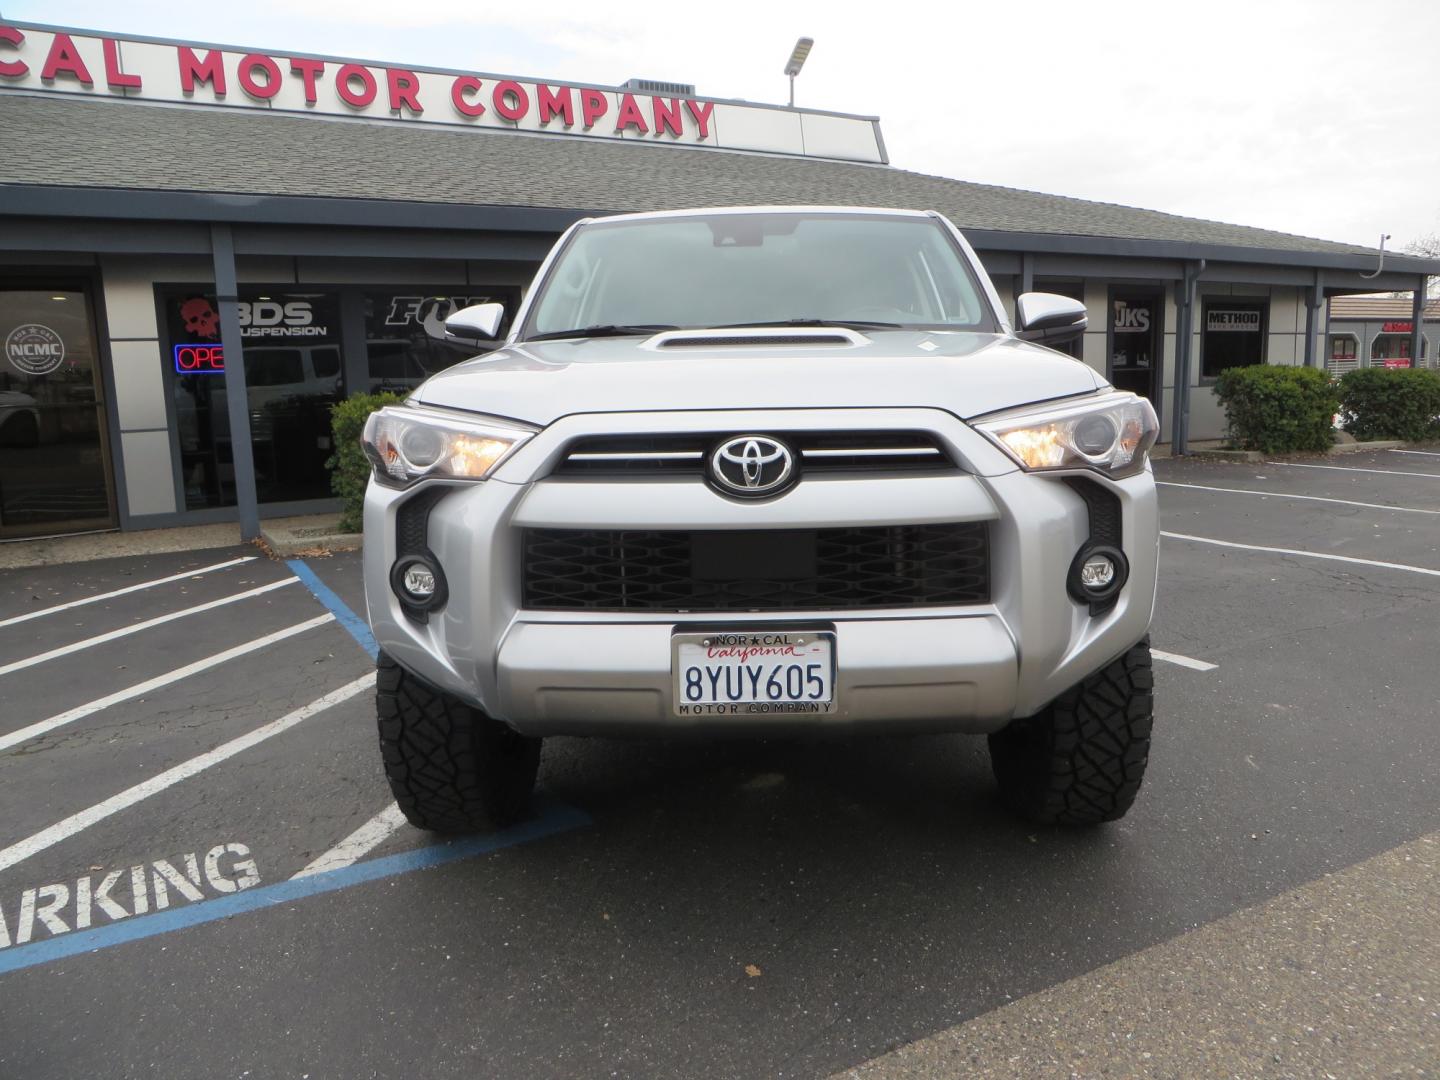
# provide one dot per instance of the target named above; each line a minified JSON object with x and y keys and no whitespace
{"x":846,"y":324}
{"x":606,"y":330}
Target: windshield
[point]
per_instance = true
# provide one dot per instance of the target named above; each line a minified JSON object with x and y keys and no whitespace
{"x":717,"y":270}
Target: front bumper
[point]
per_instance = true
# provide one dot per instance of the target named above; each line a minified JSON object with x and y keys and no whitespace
{"x":966,"y":668}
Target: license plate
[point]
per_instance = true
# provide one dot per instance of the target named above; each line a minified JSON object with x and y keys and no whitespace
{"x":748,"y":672}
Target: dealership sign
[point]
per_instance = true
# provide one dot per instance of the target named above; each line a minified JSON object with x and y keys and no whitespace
{"x":49,"y":59}
{"x":33,"y":349}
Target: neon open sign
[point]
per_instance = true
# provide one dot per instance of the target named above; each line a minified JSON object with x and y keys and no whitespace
{"x":200,"y":359}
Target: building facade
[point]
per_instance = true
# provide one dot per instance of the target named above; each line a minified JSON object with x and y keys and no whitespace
{"x":1379,"y":331}
{"x":186,"y":203}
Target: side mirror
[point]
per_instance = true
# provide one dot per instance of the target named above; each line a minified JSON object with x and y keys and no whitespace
{"x":1050,"y":319}
{"x":477,"y":325}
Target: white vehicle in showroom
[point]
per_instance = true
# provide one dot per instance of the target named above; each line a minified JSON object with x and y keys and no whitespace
{"x":760,"y":472}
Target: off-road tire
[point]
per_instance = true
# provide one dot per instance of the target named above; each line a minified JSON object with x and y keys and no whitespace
{"x":1080,"y":761}
{"x":452,"y":768}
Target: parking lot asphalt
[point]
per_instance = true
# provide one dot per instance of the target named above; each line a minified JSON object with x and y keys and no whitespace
{"x":685,"y":908}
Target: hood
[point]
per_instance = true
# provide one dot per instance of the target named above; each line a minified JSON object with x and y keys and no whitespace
{"x":964,"y":373}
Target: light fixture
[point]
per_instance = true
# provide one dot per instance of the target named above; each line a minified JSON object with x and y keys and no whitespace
{"x":796,"y":62}
{"x":419,"y":583}
{"x":59,"y":298}
{"x":1096,"y":576}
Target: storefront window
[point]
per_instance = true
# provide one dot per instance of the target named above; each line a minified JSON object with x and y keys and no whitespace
{"x":1393,"y":350}
{"x":293,"y":375}
{"x":1342,"y":347}
{"x":398,"y":327}
{"x":1233,"y":336}
{"x":53,"y":473}
{"x":1137,"y":323}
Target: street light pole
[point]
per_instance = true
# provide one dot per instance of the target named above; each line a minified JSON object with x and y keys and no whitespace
{"x":796,"y":62}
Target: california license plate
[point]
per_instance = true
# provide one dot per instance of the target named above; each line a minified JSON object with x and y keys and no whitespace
{"x":750,"y":672}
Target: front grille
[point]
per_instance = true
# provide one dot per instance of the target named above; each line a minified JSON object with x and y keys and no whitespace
{"x":777,"y":570}
{"x":819,"y":452}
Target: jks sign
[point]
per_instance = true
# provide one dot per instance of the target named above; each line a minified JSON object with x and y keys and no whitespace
{"x":45,"y":58}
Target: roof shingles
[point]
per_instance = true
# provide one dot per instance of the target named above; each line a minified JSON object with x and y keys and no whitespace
{"x":110,"y":144}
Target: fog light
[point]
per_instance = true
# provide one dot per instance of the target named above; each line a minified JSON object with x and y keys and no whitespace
{"x":1096,"y":576}
{"x":1096,"y":572}
{"x":419,"y":583}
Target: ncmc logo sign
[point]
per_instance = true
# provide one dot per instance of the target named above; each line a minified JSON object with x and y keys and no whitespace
{"x":33,"y":349}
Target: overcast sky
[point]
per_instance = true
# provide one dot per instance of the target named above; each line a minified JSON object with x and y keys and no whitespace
{"x":1308,"y":116}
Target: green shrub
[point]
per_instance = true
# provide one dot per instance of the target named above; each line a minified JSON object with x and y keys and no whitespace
{"x":349,"y":467}
{"x":1391,"y":403}
{"x":1278,"y":409}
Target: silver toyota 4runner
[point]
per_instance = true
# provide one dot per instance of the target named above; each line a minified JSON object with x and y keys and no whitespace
{"x":763,"y":471}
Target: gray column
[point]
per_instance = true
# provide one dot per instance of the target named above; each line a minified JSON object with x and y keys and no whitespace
{"x":1026,"y":282}
{"x":1185,"y":312}
{"x":1313,"y":300}
{"x":1417,"y":317}
{"x":237,"y":399}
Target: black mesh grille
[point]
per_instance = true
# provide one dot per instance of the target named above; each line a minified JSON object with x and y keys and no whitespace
{"x":812,"y":569}
{"x":1104,"y":508}
{"x":412,"y":521}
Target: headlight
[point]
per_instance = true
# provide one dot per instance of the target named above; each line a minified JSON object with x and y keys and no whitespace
{"x":405,"y":443}
{"x":1112,"y":433}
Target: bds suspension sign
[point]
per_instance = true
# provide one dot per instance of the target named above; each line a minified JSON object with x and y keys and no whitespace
{"x":50,"y":59}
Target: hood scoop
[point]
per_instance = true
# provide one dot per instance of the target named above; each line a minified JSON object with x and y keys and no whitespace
{"x":763,"y":336}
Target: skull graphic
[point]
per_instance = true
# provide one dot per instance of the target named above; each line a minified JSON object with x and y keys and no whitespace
{"x":200,"y":318}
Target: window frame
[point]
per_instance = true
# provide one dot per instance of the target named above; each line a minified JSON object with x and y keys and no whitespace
{"x":1262,"y":304}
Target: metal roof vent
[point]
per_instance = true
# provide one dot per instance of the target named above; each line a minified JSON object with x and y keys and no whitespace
{"x":655,"y":86}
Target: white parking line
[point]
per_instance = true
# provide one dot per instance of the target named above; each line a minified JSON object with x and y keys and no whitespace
{"x":359,"y":843}
{"x":39,"y":728}
{"x":1347,"y":468}
{"x":1422,"y":453}
{"x":135,"y":628}
{"x":1304,"y":554}
{"x":76,"y":823}
{"x":128,"y":589}
{"x":1183,"y":661}
{"x":1287,"y":495}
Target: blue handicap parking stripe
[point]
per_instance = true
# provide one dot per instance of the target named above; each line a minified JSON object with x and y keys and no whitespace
{"x":357,"y":626}
{"x":553,"y":818}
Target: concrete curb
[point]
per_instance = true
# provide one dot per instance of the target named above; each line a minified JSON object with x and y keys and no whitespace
{"x":310,"y":534}
{"x":1358,"y":447}
{"x":1252,"y":456}
{"x":1227,"y":455}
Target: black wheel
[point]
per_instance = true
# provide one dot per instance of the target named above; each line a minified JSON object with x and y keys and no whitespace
{"x":1080,"y":761}
{"x":452,"y":768}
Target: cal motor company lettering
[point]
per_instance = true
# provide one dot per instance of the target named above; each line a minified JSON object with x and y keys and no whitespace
{"x":101,"y":897}
{"x":204,"y":74}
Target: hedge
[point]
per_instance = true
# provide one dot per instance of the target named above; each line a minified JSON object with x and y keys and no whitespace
{"x":1391,"y":403}
{"x":1278,"y":409}
{"x":349,"y":467}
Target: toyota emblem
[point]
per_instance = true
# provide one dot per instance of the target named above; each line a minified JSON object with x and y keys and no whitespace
{"x":752,"y":466}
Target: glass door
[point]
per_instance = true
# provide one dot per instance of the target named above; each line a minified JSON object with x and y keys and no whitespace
{"x":54,"y":464}
{"x":1136,"y":336}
